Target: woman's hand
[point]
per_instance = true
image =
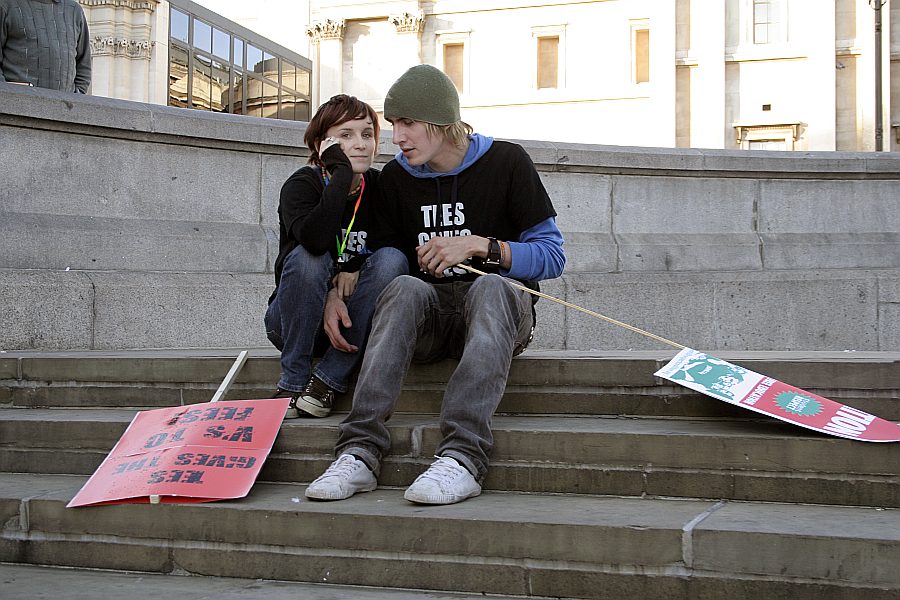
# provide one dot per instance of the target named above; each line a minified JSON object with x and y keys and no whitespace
{"x":345,"y":284}
{"x":327,"y":143}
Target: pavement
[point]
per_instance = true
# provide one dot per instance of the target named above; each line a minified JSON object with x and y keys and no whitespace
{"x":21,"y":582}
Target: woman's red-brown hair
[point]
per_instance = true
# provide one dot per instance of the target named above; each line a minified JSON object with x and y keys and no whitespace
{"x":339,"y":109}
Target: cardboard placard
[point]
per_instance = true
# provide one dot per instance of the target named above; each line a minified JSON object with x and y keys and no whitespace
{"x":196,"y":453}
{"x":739,"y":386}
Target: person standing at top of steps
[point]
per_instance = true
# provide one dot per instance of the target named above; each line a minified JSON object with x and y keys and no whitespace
{"x":325,"y":218}
{"x":45,"y":43}
{"x":448,"y":196}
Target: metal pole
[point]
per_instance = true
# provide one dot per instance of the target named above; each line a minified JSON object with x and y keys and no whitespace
{"x":879,"y":117}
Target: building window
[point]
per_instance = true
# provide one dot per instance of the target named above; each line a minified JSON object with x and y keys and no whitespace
{"x":453,"y":54}
{"x":202,"y":36}
{"x":454,"y":64}
{"x":548,"y":62}
{"x":212,"y":68}
{"x":768,"y":21}
{"x":550,"y":56}
{"x":178,"y":25}
{"x":641,"y":58}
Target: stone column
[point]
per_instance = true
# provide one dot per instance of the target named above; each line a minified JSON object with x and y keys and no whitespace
{"x":409,"y":26}
{"x":821,"y":115}
{"x":126,"y":62}
{"x":663,"y":49}
{"x":865,"y":75}
{"x":327,"y":42}
{"x":710,"y":127}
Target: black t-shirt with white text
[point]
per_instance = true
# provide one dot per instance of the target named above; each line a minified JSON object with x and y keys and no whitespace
{"x":499,"y":195}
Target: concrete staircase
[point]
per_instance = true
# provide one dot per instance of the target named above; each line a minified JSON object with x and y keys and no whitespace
{"x":606,"y":483}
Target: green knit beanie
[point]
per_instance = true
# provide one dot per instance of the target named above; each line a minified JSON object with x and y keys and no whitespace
{"x":423,"y":93}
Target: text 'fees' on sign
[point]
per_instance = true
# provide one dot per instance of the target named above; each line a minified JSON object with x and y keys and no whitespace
{"x":197,"y":453}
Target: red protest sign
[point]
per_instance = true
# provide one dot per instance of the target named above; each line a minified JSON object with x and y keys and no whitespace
{"x":197,"y":453}
{"x":739,"y":386}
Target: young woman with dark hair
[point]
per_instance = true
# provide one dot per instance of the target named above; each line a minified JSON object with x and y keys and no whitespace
{"x":326,"y":215}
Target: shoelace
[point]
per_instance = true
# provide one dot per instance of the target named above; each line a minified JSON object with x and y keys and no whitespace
{"x":345,"y":465}
{"x":317,"y":388}
{"x":444,"y":471}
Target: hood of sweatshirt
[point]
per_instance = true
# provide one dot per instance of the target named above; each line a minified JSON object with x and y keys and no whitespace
{"x":478,"y":145}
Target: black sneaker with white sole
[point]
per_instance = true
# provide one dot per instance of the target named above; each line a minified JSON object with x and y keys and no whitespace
{"x":316,"y":398}
{"x":291,"y":411}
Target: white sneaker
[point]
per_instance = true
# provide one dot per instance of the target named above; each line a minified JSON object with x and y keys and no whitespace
{"x":445,"y":482}
{"x":346,"y":476}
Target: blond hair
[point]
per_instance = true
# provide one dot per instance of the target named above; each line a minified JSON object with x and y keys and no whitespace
{"x":458,"y":133}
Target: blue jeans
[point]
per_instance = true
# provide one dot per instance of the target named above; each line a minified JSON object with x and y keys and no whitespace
{"x":482,"y":323}
{"x":294,"y":318}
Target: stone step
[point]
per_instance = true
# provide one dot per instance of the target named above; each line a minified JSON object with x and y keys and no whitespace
{"x":29,"y":582}
{"x":541,"y":382}
{"x":759,"y":460}
{"x":500,"y":543}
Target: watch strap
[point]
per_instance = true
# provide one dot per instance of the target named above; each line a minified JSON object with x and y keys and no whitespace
{"x":495,"y":252}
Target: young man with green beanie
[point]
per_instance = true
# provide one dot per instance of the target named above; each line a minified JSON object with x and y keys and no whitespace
{"x":448,"y":197}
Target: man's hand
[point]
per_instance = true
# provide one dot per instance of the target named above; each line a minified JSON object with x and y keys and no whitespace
{"x":336,"y":315}
{"x":440,"y":253}
{"x":345,"y":284}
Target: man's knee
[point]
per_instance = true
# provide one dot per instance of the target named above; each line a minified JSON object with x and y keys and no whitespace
{"x":405,"y":289}
{"x":492,"y":286}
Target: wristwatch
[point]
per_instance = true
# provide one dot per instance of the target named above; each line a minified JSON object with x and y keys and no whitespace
{"x":494,"y":254}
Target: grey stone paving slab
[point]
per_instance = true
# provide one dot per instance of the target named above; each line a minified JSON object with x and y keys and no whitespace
{"x":51,"y":310}
{"x":136,"y":181}
{"x":802,"y":541}
{"x":812,"y":546}
{"x":889,"y":325}
{"x":796,"y":206}
{"x":110,"y":244}
{"x":799,"y":251}
{"x":233,"y":302}
{"x":9,"y":367}
{"x":26,"y":582}
{"x":504,"y":526}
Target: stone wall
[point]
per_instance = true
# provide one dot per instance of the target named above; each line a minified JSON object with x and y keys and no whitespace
{"x":128,"y":225}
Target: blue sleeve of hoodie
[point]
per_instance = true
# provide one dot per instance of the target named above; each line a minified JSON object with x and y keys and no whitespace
{"x":538,"y":254}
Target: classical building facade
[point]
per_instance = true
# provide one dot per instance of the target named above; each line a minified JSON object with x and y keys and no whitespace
{"x":767,"y":74}
{"x":182,"y":54}
{"x":129,"y":41}
{"x":734,"y":74}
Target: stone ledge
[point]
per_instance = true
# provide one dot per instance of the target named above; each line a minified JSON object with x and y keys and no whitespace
{"x":133,"y":120}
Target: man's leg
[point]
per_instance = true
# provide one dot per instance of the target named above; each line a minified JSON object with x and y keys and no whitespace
{"x":379,"y":269}
{"x":295,"y":315}
{"x":497,"y":317}
{"x":404,"y":308}
{"x":401,"y":329}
